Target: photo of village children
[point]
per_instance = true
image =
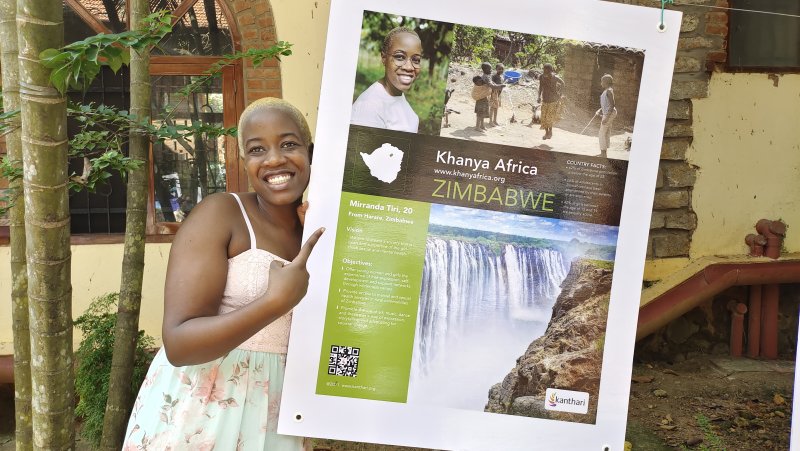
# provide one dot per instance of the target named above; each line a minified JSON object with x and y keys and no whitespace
{"x":542,"y":92}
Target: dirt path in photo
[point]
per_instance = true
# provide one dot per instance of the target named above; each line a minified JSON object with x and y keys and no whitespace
{"x":517,"y":101}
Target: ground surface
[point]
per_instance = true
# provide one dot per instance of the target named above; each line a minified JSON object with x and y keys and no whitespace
{"x":704,"y":403}
{"x":518,"y":101}
{"x":711,"y":404}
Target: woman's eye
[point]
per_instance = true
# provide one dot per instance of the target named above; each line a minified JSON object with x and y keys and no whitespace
{"x":255,"y":149}
{"x":289,"y":145}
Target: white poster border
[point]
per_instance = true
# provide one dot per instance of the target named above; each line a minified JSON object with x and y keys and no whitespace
{"x":306,"y":414}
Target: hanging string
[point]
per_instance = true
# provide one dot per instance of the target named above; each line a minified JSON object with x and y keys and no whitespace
{"x":755,"y":11}
{"x":661,"y":25}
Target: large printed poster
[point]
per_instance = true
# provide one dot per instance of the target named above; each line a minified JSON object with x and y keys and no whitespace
{"x":485,"y":178}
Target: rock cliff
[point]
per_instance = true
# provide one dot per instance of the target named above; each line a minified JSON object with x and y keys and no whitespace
{"x":568,"y":355}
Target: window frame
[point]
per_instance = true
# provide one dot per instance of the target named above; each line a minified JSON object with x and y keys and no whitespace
{"x":233,"y":105}
{"x":731,"y":68}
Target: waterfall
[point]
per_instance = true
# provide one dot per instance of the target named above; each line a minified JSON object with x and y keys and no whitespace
{"x":468,"y":289}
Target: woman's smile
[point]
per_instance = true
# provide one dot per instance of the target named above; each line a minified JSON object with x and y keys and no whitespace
{"x":401,"y":63}
{"x":276,"y":156}
{"x":279,"y":179}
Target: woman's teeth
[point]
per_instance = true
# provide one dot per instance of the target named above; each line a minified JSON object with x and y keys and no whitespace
{"x":278,"y":179}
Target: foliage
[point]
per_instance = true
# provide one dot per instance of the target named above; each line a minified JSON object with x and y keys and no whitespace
{"x":11,"y":171}
{"x":473,"y":44}
{"x":77,"y":64}
{"x":601,"y":255}
{"x":493,"y":239}
{"x":530,"y":50}
{"x":97,"y":170}
{"x":476,"y":45}
{"x":94,"y":363}
{"x":103,"y":130}
{"x":709,"y":435}
{"x":9,"y":121}
{"x":426,"y":95}
{"x":256,"y":56}
{"x":600,"y":344}
{"x":602,"y":264}
{"x":436,"y":37}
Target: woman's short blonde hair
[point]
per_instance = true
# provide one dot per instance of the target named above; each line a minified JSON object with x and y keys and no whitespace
{"x":272,"y":103}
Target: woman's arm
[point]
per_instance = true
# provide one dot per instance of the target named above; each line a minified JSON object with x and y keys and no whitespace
{"x":193,"y":330}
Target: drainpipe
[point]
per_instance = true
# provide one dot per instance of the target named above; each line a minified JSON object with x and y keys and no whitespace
{"x":756,"y":244}
{"x":707,"y":283}
{"x":737,"y":327}
{"x":754,"y":322}
{"x":774,"y":231}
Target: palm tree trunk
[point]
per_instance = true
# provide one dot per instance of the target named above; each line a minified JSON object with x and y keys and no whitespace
{"x":40,"y":26}
{"x":19,"y":275}
{"x":120,"y":398}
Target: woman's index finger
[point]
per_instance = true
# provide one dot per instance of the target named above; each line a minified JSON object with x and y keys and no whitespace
{"x":305,"y":251}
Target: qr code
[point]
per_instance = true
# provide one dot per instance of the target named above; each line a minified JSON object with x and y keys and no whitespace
{"x":343,"y":361}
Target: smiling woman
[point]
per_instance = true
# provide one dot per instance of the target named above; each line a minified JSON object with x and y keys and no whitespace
{"x":229,"y":292}
{"x":383,"y":104}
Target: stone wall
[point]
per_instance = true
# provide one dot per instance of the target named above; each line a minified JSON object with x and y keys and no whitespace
{"x":701,"y":48}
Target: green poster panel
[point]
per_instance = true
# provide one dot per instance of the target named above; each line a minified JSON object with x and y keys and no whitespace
{"x":373,"y":299}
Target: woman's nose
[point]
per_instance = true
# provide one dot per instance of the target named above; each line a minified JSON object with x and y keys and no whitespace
{"x":273,"y":157}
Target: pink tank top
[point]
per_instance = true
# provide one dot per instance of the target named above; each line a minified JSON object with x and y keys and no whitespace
{"x":248,"y":276}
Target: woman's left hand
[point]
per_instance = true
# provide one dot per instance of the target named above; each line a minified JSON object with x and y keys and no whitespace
{"x":301,"y":212}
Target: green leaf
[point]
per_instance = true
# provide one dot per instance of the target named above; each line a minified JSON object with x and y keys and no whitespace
{"x":58,"y":78}
{"x":112,"y":52}
{"x":76,"y":71}
{"x":115,"y":63}
{"x":91,"y":54}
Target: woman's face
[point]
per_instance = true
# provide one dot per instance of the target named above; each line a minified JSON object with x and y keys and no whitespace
{"x":277,"y":160}
{"x":402,"y":62}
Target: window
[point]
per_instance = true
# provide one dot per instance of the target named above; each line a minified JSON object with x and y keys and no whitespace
{"x":183,"y":171}
{"x":764,"y":41}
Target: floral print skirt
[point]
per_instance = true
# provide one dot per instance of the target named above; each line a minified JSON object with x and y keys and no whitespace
{"x":227,"y":404}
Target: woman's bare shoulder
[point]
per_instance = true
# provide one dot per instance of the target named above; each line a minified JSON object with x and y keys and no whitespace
{"x":212,"y":221}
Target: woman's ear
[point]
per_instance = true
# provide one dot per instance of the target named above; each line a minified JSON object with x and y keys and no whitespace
{"x":310,"y":153}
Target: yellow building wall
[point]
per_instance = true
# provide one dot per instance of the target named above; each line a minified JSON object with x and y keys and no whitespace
{"x":303,"y":23}
{"x":96,"y":271}
{"x":747,"y":151}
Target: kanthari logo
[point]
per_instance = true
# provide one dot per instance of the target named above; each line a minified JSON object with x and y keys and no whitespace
{"x":566,"y":401}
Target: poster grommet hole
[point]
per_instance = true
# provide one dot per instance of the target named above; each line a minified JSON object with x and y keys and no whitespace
{"x":298,"y":417}
{"x":661,"y":27}
{"x":606,"y":448}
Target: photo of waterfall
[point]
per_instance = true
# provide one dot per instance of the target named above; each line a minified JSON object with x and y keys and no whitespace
{"x":489,"y":283}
